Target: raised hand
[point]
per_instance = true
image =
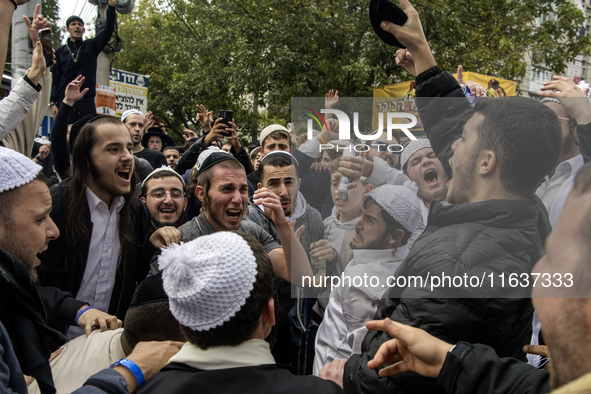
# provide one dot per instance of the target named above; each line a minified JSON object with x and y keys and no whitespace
{"x":411,"y":35}
{"x":573,"y":99}
{"x":331,"y":99}
{"x":404,"y":58}
{"x":204,"y":117}
{"x":73,"y":93}
{"x":39,"y":22}
{"x":188,"y":134}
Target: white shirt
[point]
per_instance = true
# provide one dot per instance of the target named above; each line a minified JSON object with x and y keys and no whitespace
{"x":554,"y":190}
{"x":339,"y":234}
{"x":343,"y":328}
{"x":250,"y":353}
{"x":81,"y":358}
{"x":103,"y":255}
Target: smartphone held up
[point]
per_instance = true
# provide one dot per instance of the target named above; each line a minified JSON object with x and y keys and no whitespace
{"x":226,"y":116}
{"x":45,"y":38}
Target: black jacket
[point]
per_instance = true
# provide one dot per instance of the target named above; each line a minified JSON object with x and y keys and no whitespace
{"x":131,"y":269}
{"x":479,"y":239}
{"x":189,"y":158}
{"x":23,"y":315}
{"x":268,"y":379}
{"x":65,"y":69}
{"x":477,"y":369}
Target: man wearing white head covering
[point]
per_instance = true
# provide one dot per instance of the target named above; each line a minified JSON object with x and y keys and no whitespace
{"x":25,"y":230}
{"x":421,"y":165}
{"x":135,"y":120}
{"x":223,"y":299}
{"x":390,"y":215}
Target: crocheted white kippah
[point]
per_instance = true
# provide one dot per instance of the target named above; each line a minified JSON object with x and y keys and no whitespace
{"x":166,"y":169}
{"x":208,"y":279}
{"x":16,"y":169}
{"x":132,"y":111}
{"x":401,"y":204}
{"x":411,"y":148}
{"x":271,"y":128}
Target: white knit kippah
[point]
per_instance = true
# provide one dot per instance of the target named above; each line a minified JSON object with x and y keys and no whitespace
{"x":166,"y":169}
{"x":209,"y":279}
{"x":401,"y":204}
{"x":412,"y":147}
{"x":131,"y":112}
{"x":16,"y":169}
{"x":271,"y":128}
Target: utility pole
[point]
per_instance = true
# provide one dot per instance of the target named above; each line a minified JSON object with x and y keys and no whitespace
{"x":22,"y":54}
{"x":103,"y":68}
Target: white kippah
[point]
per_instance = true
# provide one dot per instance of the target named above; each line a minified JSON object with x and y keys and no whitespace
{"x":401,"y":204}
{"x":131,"y":112}
{"x":209,"y":279}
{"x":288,"y":155}
{"x":271,"y":128}
{"x":166,"y":169}
{"x":16,"y":169}
{"x":411,"y":148}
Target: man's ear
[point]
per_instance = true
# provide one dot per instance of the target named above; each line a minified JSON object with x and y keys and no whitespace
{"x":368,"y":188}
{"x":144,"y":200}
{"x":199,"y":191}
{"x":186,"y":202}
{"x":259,"y":185}
{"x":269,"y":312}
{"x":396,"y":239}
{"x":487,"y":162}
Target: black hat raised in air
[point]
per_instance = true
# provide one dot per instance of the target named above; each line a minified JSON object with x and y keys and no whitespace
{"x":384,"y":10}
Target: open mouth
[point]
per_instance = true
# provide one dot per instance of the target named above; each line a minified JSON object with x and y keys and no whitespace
{"x":168,"y":210}
{"x":124,"y":174}
{"x":233,"y":213}
{"x":431,"y":177}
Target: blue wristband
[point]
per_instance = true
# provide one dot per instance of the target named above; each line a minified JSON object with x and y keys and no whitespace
{"x":135,"y":370}
{"x":81,"y":313}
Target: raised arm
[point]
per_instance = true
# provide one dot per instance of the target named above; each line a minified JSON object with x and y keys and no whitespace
{"x":443,"y":118}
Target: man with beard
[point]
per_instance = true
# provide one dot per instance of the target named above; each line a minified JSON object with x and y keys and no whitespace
{"x":135,"y":121}
{"x":163,"y":192}
{"x":107,"y":237}
{"x":223,"y":191}
{"x":563,"y":310}
{"x":279,"y":173}
{"x":172,"y":155}
{"x":25,"y":230}
{"x":499,"y":152}
{"x":389,"y":216}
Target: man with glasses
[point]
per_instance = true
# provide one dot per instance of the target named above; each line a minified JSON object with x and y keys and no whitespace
{"x":163,"y":192}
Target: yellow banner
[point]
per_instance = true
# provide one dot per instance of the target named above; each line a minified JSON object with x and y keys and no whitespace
{"x":400,"y":97}
{"x":495,"y":87}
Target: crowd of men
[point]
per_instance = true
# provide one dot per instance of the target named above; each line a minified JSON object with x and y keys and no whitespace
{"x":140,"y":265}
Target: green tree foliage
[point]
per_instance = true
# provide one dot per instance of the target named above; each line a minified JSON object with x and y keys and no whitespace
{"x":229,"y":54}
{"x":50,"y":9}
